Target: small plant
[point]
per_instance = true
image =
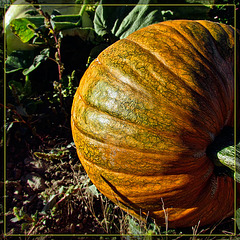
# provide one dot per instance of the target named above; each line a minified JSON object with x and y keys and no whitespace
{"x":26,"y":220}
{"x":223,"y":11}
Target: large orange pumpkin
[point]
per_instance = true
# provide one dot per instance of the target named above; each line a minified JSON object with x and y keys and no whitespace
{"x":146,"y":111}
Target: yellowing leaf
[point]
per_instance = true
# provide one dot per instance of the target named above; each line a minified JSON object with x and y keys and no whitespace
{"x":23,"y":28}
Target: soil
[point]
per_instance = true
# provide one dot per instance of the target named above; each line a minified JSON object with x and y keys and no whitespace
{"x":32,"y":181}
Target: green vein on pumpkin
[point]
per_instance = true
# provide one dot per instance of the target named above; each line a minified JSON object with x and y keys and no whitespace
{"x":205,"y":58}
{"x":172,"y":104}
{"x":183,"y":82}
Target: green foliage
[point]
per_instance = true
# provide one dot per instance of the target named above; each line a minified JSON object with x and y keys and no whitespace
{"x":119,"y":22}
{"x":28,"y":28}
{"x":185,"y":12}
{"x":68,"y":86}
{"x":52,"y":201}
{"x":63,"y":22}
{"x":42,"y":57}
{"x":230,"y":157}
{"x":110,"y":22}
{"x":19,"y":60}
{"x":24,"y":28}
{"x":27,"y":220}
{"x":238,"y":218}
{"x":225,"y":154}
{"x":54,"y":154}
{"x":223,"y":12}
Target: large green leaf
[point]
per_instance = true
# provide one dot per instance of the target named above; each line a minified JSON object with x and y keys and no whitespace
{"x":42,"y":57}
{"x":230,"y":157}
{"x":118,"y":18}
{"x":121,"y":20}
{"x":225,"y":153}
{"x":25,"y":60}
{"x":63,"y":22}
{"x":19,"y":60}
{"x":24,"y":27}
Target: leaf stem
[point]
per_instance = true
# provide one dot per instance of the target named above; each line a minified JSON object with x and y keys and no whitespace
{"x":83,"y":8}
{"x":57,"y":41}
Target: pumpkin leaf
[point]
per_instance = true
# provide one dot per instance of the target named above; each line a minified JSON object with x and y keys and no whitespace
{"x":24,"y":27}
{"x":42,"y":57}
{"x":238,"y":218}
{"x":25,"y":60}
{"x":62,"y":22}
{"x":230,"y":157}
{"x":225,"y":154}
{"x":19,"y":60}
{"x":119,"y":22}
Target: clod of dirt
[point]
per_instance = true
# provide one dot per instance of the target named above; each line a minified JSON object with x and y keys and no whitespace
{"x":35,"y":181}
{"x":37,"y":166}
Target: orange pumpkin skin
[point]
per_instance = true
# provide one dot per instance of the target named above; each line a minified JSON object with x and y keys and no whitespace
{"x":144,"y":114}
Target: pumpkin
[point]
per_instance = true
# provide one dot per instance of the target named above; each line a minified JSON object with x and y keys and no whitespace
{"x":145,"y":113}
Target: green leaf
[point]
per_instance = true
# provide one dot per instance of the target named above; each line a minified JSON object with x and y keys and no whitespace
{"x":238,"y":218}
{"x":34,"y":217}
{"x":8,"y":126}
{"x":225,"y":154}
{"x":24,"y":28}
{"x":24,"y":226}
{"x":120,"y":21}
{"x":61,"y":190}
{"x":237,"y":177}
{"x":230,"y":158}
{"x":50,"y":204}
{"x":62,"y":22}
{"x":18,"y":60}
{"x":44,"y":54}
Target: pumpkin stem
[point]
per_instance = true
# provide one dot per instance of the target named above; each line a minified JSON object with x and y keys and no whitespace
{"x":225,"y":154}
